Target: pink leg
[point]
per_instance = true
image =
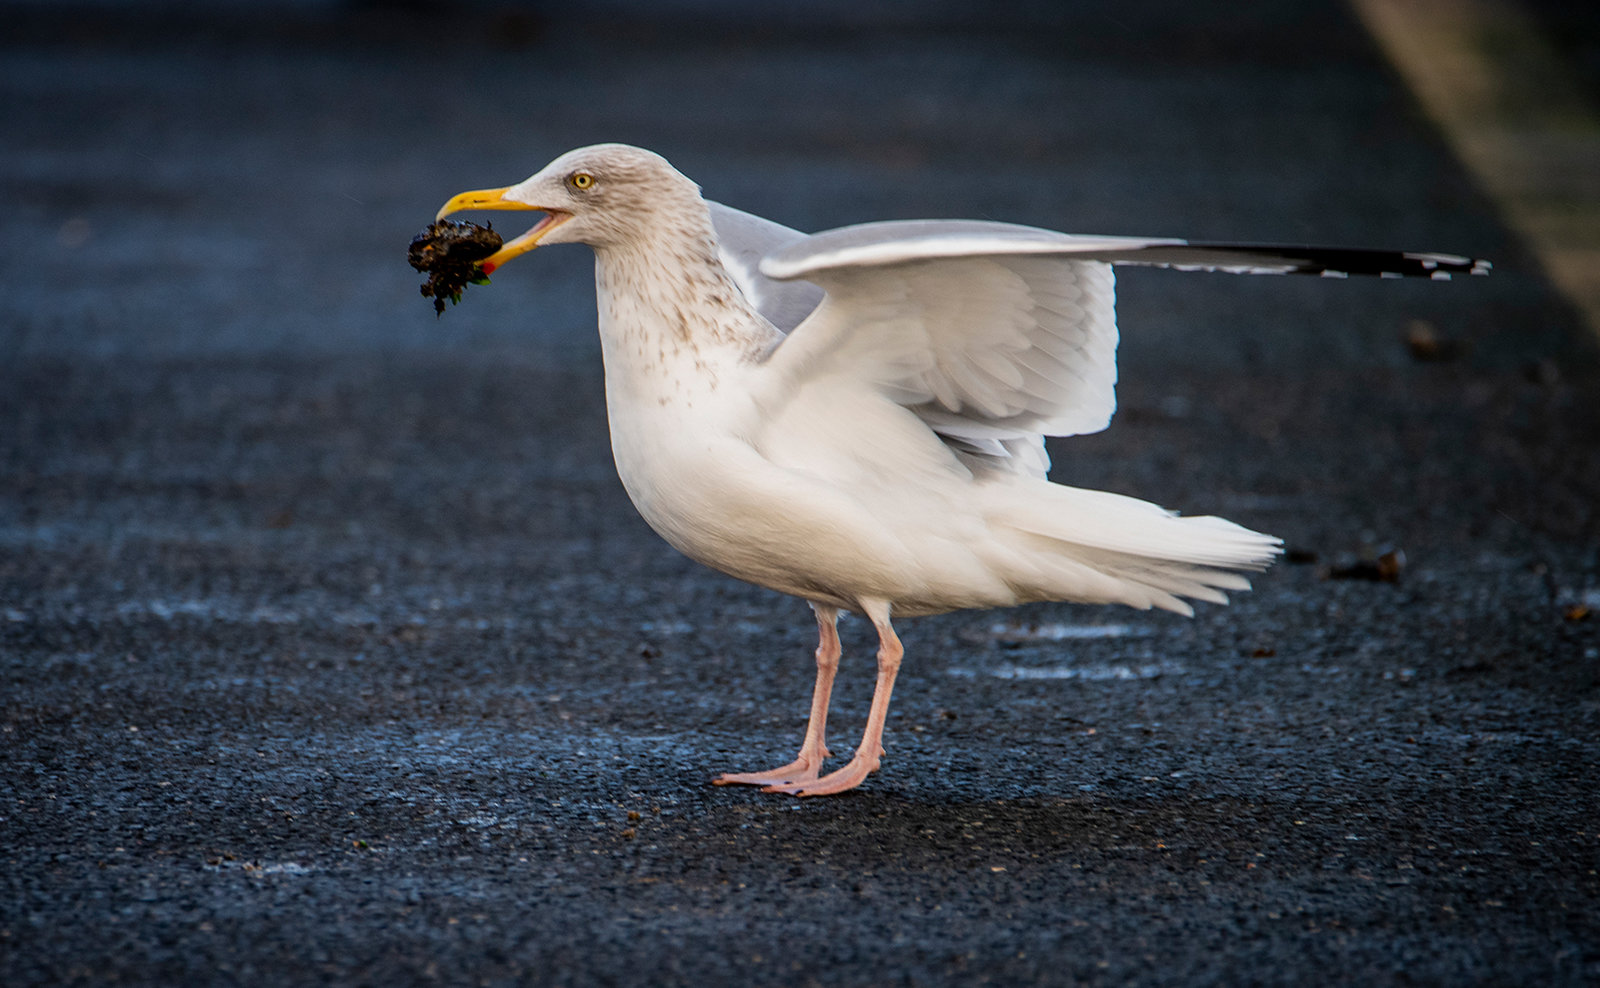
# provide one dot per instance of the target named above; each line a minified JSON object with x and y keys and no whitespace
{"x":871,"y":749}
{"x":814,"y":749}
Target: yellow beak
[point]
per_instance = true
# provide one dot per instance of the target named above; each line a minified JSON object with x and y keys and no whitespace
{"x":496,"y":199}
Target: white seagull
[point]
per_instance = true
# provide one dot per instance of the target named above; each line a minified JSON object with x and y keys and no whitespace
{"x":857,"y":417}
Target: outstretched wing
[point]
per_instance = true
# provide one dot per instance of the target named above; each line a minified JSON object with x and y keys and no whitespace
{"x":878,"y":244}
{"x":989,"y":340}
{"x":996,"y":334}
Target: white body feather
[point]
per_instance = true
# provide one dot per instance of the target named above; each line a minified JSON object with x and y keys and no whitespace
{"x":892,"y":447}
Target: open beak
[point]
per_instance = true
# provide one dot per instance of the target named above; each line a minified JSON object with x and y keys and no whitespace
{"x":496,"y":199}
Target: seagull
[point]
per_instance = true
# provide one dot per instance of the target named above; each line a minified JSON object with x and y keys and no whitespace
{"x":857,"y":417}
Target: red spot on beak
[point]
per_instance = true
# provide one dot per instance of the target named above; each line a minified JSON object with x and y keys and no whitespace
{"x":488,"y":267}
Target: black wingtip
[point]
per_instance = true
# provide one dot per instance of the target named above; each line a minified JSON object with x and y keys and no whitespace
{"x":1326,"y":262}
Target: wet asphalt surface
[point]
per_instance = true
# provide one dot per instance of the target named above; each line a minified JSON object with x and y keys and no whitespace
{"x":333,"y":652}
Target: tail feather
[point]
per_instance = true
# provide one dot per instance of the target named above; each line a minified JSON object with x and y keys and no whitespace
{"x":1097,"y":546}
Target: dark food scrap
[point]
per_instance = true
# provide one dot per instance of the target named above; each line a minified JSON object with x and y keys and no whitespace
{"x":1427,"y":345}
{"x":1379,"y":567}
{"x":449,"y":253}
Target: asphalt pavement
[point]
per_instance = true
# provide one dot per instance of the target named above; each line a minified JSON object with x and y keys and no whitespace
{"x":332,"y":652}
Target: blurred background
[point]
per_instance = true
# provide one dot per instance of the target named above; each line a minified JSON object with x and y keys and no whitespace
{"x":175,"y":154}
{"x":333,"y":652}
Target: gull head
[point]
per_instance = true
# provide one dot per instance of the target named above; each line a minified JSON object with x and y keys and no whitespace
{"x":605,"y":195}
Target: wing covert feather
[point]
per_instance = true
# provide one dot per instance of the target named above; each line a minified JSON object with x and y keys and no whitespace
{"x":991,"y":350}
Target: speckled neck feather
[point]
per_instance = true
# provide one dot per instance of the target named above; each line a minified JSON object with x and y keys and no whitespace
{"x":670,"y":269}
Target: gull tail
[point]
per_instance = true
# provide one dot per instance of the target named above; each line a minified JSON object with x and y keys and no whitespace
{"x":1098,"y":547}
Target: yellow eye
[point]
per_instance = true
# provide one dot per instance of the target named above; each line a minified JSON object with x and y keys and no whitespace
{"x":581,"y":181}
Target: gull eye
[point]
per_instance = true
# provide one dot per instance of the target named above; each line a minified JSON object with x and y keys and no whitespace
{"x":581,"y":181}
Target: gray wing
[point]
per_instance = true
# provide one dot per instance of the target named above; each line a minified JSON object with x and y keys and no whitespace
{"x":997,"y":335}
{"x":743,"y":239}
{"x":875,"y":244}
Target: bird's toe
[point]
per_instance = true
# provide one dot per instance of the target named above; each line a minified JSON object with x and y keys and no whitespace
{"x":798,"y":772}
{"x":846,"y":778}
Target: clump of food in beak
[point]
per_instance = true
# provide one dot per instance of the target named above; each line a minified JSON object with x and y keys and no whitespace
{"x":450,"y":252}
